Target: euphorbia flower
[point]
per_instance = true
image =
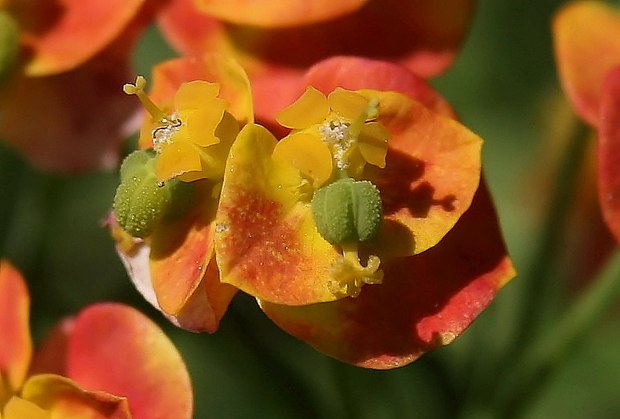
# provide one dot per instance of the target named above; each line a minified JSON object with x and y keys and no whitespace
{"x":587,"y":47}
{"x":165,"y":207}
{"x":109,"y":361}
{"x":373,"y":256}
{"x":68,"y":60}
{"x":324,"y":127}
{"x":371,"y":281}
{"x":423,"y":35}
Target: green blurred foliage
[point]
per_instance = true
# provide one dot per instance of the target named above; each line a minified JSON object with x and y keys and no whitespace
{"x":50,"y":227}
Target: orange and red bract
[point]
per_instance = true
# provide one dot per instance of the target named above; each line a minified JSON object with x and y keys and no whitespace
{"x":108,"y":361}
{"x":427,"y":299}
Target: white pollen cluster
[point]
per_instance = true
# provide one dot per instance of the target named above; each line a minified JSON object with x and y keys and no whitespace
{"x":164,"y":133}
{"x":336,"y":133}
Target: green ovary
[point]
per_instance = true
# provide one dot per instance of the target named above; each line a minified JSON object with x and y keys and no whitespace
{"x":141,"y":202}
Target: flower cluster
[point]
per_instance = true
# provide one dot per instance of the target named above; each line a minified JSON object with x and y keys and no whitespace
{"x":364,"y":230}
{"x":294,"y":152}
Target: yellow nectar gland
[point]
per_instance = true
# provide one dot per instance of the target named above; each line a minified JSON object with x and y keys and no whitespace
{"x":349,"y":276}
{"x":336,"y":134}
{"x":168,"y":124}
{"x":341,"y":135}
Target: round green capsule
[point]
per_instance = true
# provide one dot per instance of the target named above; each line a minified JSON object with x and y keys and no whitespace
{"x":347,"y":211}
{"x":141,"y":202}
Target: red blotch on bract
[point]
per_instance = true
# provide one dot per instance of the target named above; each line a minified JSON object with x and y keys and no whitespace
{"x":261,"y":244}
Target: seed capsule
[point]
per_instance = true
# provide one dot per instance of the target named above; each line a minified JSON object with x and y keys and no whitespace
{"x":141,"y":202}
{"x":347,"y":211}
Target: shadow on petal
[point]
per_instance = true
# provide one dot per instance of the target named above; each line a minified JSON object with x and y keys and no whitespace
{"x":425,"y":301}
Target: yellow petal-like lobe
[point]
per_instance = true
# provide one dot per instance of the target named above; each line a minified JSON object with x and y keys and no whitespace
{"x":64,"y":398}
{"x":308,"y":153}
{"x":176,"y":159}
{"x":200,"y":111}
{"x":16,"y":346}
{"x":373,"y":143}
{"x":212,"y":158}
{"x":194,"y":94}
{"x":587,"y":46}
{"x":266,"y":241}
{"x":18,"y":408}
{"x":215,"y":68}
{"x":347,"y":104}
{"x":310,"y":109}
{"x":202,"y":124}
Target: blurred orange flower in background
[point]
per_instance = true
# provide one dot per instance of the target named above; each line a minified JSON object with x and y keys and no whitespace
{"x":61,"y":65}
{"x":108,"y":361}
{"x":587,"y":49}
{"x":277,"y":41}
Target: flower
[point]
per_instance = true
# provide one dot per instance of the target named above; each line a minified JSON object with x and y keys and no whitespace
{"x":341,"y":126}
{"x":166,"y":239}
{"x":407,"y":274}
{"x":192,"y":141}
{"x":77,"y":372}
{"x":587,"y":48}
{"x":66,"y":63}
{"x":423,"y":35}
{"x":366,"y":231}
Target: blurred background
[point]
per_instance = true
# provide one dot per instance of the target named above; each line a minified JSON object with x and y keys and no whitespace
{"x":504,"y":88}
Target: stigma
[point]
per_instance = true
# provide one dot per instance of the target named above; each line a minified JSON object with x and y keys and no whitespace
{"x":168,"y":124}
{"x":349,"y":275}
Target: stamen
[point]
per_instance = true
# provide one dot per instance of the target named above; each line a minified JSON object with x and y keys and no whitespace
{"x":337,"y":134}
{"x":163,"y":134}
{"x":349,"y":274}
{"x":138,"y":90}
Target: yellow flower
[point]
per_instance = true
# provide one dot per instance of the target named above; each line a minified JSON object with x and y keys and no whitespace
{"x":193,"y":139}
{"x":338,"y":131}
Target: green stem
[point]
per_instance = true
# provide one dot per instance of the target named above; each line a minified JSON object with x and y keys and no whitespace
{"x":546,"y":354}
{"x":14,"y":180}
{"x":537,"y":282}
{"x":295,"y":392}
